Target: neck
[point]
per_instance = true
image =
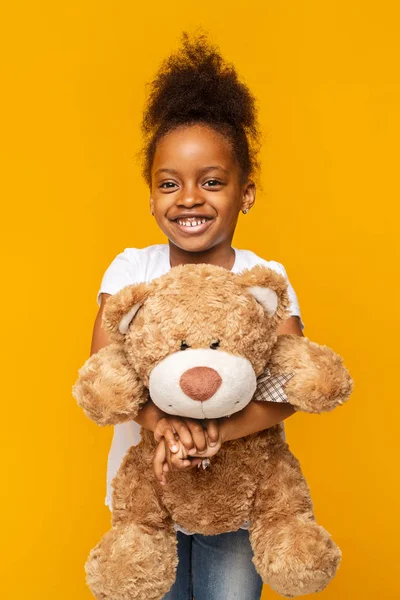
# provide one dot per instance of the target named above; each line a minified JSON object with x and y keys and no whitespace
{"x":222,"y":256}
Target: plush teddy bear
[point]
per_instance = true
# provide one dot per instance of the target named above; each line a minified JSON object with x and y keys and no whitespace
{"x":196,"y":340}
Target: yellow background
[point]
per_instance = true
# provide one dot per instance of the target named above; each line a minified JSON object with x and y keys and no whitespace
{"x":327,"y":79}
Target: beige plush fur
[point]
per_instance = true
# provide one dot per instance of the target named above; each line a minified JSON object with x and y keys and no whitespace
{"x":255,"y":478}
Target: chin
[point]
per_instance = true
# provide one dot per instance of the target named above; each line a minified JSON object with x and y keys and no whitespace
{"x":198,"y":244}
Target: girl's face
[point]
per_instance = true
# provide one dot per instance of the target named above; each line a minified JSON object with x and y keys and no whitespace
{"x":197,"y":189}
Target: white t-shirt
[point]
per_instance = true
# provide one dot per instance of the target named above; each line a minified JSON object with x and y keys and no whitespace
{"x":135,"y":265}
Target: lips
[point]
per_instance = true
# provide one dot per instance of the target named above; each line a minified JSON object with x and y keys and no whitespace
{"x":192,"y":223}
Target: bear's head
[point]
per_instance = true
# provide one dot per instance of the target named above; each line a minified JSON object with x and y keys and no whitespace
{"x":200,"y":335}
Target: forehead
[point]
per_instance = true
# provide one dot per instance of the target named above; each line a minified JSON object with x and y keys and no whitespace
{"x":192,"y":147}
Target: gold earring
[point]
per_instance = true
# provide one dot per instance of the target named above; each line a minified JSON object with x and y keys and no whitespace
{"x":245,"y":211}
{"x":151,"y":212}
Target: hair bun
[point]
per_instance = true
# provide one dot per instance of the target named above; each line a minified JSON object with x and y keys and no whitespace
{"x":195,"y":84}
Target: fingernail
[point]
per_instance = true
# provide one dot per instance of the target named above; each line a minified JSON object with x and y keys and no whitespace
{"x":192,"y":451}
{"x":212,"y":444}
{"x":174,"y":448}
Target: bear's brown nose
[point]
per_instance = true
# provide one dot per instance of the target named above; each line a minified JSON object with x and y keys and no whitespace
{"x":200,"y":383}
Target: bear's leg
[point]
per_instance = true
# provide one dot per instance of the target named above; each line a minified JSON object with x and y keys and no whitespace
{"x":292,"y":553}
{"x":133,"y":562}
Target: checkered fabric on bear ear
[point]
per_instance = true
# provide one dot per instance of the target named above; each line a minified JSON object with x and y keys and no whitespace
{"x":269,"y":387}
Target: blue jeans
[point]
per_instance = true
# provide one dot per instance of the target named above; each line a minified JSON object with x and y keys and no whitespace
{"x":215,"y":567}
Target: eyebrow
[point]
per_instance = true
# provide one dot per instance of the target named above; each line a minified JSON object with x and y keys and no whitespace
{"x":201,"y":171}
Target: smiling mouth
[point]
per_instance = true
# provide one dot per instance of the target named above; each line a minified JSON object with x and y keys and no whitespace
{"x":193,"y":224}
{"x":192,"y":221}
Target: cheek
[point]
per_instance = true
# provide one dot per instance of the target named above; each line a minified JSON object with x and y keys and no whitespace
{"x":231,"y":208}
{"x":161,"y":203}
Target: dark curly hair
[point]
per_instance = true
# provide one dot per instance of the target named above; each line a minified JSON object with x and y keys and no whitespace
{"x":195,"y":85}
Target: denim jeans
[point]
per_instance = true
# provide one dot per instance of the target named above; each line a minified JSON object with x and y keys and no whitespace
{"x":215,"y":567}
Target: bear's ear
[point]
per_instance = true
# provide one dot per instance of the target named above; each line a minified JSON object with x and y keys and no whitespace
{"x":268,"y":287}
{"x":266,"y":297}
{"x":121,"y":308}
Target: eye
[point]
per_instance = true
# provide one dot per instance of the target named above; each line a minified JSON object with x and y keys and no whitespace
{"x":167,"y":185}
{"x":213,"y":183}
{"x":184,"y":345}
{"x":214,"y":345}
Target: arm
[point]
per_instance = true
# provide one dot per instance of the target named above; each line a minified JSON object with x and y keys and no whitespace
{"x":258,"y":416}
{"x":290,"y":325}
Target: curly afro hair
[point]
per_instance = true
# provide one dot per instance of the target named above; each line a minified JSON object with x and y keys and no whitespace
{"x":195,"y":85}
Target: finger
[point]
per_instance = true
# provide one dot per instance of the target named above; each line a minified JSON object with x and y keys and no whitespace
{"x":165,"y":429}
{"x":158,"y":461}
{"x":184,"y":434}
{"x":198,"y":434}
{"x":177,"y":464}
{"x":169,"y":437}
{"x":212,"y":431}
{"x":195,"y":462}
{"x":179,"y":460}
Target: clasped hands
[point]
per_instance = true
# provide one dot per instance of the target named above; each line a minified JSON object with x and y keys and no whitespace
{"x":183,"y":443}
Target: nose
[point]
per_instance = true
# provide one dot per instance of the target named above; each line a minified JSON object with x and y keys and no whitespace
{"x":190,"y":197}
{"x":200,"y":383}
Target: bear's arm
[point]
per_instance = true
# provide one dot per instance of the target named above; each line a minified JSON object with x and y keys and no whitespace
{"x":108,"y":389}
{"x":320,"y":381}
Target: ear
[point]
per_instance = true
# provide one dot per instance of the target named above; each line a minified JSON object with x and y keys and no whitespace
{"x":268,"y":287}
{"x":121,"y":308}
{"x":249,"y":195}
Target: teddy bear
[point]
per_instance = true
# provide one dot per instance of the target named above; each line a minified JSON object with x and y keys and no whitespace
{"x":196,"y":341}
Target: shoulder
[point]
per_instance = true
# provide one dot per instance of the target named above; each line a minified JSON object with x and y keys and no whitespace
{"x":135,"y":255}
{"x":139,"y":260}
{"x":132,"y":265}
{"x":248,"y":259}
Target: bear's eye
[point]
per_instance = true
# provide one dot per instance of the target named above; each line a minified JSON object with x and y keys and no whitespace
{"x":184,"y":345}
{"x":214,"y":345}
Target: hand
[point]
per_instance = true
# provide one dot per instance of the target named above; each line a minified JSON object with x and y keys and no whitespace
{"x":165,"y":460}
{"x":171,"y":452}
{"x":196,"y":436}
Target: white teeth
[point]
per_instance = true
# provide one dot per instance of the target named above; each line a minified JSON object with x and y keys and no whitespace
{"x":191,"y":223}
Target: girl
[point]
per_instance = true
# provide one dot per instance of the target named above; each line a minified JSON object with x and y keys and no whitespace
{"x":199,"y":161}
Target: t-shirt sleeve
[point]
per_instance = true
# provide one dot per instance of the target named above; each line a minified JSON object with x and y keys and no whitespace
{"x":294,"y":306}
{"x":120,"y":273}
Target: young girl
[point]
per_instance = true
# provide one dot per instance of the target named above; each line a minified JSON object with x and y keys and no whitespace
{"x":201,"y":139}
